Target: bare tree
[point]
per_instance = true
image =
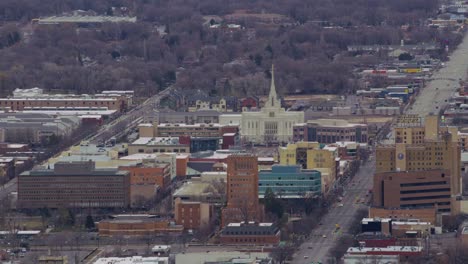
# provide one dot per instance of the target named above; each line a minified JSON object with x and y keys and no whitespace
{"x":282,"y":254}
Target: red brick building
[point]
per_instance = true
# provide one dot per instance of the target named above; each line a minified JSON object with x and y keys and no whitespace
{"x":192,"y":215}
{"x":149,"y":173}
{"x":242,"y":190}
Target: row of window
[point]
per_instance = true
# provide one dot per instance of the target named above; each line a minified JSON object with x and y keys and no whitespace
{"x":423,"y":183}
{"x":426,"y":191}
{"x":424,"y":197}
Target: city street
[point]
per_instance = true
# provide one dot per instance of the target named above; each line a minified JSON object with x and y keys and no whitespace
{"x":443,"y":84}
{"x":129,"y":120}
{"x":323,"y":238}
{"x":434,"y":96}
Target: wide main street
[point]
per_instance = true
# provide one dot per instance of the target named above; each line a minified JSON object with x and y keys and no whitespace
{"x":443,"y":83}
{"x":324,"y":237}
{"x":433,"y":97}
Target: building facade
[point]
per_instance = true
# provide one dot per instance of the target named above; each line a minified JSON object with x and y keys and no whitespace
{"x":193,"y":215}
{"x":242,"y":190}
{"x":198,"y":117}
{"x":413,"y":189}
{"x":424,"y":157}
{"x":137,"y":225}
{"x":272,"y":124}
{"x":313,"y":156}
{"x":33,"y":98}
{"x":72,"y":185}
{"x":330,"y":131}
{"x":289,"y":182}
{"x":250,"y":233}
{"x":157,"y":145}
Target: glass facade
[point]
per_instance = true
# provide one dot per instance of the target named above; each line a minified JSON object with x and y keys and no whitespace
{"x":289,"y":181}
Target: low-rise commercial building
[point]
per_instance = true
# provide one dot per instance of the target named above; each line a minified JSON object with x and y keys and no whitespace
{"x":404,"y":228}
{"x":133,"y":260}
{"x":74,"y":184}
{"x":9,"y":148}
{"x":182,"y":129}
{"x":423,"y":214}
{"x":137,"y":225}
{"x":35,"y":97}
{"x":250,"y":233}
{"x":330,"y":131}
{"x":35,"y":127}
{"x":157,"y":145}
{"x":191,"y":118}
{"x":223,"y":256}
{"x":289,"y":182}
{"x":195,"y":130}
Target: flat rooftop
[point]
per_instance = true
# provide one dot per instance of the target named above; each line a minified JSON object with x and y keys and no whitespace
{"x":198,"y":125}
{"x":150,"y":141}
{"x":384,"y":249}
{"x":133,"y":218}
{"x":133,"y":260}
{"x":85,"y":19}
{"x":192,"y":188}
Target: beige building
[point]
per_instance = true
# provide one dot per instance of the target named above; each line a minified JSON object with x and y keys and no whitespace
{"x":312,"y":156}
{"x":271,"y":124}
{"x":428,"y":147}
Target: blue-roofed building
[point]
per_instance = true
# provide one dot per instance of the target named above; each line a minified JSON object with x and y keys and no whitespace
{"x":289,"y":182}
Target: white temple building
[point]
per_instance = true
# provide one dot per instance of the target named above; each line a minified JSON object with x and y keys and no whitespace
{"x":272,"y":124}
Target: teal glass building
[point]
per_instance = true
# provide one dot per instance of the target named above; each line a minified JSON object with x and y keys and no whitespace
{"x":289,"y":182}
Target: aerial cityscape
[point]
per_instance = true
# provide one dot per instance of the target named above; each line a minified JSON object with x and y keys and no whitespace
{"x":233,"y":132}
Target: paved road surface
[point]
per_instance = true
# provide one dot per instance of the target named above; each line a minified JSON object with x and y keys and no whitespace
{"x":444,"y":82}
{"x":317,"y":247}
{"x":129,"y":120}
{"x":433,"y":96}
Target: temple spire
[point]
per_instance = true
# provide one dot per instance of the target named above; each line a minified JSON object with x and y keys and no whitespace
{"x":272,"y":97}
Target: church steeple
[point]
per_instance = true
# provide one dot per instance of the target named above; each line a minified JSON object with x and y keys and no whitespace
{"x":273,"y":97}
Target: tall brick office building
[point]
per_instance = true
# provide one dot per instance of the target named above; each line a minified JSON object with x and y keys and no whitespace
{"x":242,"y":190}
